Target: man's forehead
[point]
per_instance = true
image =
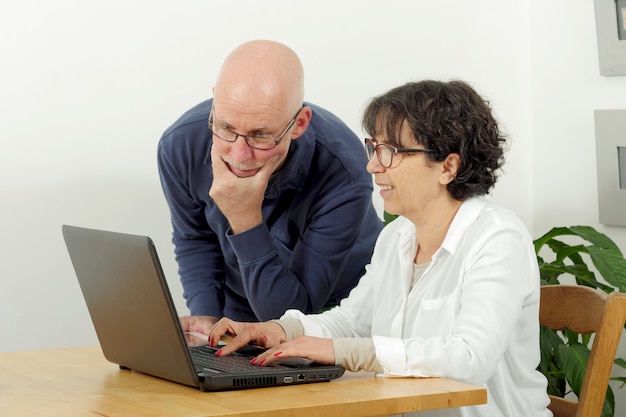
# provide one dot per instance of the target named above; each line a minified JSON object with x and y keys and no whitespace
{"x":240,"y":116}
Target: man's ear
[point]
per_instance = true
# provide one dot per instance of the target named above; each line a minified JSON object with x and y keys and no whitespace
{"x":449,"y":168}
{"x":302,"y":122}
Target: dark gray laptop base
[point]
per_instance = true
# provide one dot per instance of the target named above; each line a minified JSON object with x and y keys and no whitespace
{"x":137,"y":324}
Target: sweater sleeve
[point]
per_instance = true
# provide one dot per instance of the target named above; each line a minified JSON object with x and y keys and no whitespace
{"x":356,"y":354}
{"x":352,"y":353}
{"x":292,"y":327}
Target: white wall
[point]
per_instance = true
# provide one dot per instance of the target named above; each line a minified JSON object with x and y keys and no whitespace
{"x":86,"y":88}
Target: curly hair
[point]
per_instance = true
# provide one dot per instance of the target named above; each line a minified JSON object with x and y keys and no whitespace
{"x":447,"y":117}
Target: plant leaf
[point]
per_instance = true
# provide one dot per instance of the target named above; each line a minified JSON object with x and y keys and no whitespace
{"x":573,"y":361}
{"x":549,"y":341}
{"x":620,"y":362}
{"x":551,"y":234}
{"x":621,"y":379}
{"x":594,"y":237}
{"x":388,"y":218}
{"x":608,"y":409}
{"x":611,"y":264}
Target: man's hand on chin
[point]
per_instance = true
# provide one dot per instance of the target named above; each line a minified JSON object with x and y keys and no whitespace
{"x":240,"y":199}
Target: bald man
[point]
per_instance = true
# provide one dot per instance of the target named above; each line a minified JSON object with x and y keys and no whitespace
{"x":269,"y":197}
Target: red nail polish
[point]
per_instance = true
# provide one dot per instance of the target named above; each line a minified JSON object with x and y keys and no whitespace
{"x":278,"y":353}
{"x":218,"y":353}
{"x":253,"y":361}
{"x":262,"y":362}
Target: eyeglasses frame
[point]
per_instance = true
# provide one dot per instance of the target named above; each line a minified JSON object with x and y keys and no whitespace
{"x":394,"y":150}
{"x":246,"y":137}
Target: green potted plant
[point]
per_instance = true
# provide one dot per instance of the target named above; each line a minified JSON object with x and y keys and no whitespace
{"x":564,"y":354}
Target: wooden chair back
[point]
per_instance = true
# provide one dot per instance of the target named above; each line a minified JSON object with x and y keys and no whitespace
{"x":586,"y":310}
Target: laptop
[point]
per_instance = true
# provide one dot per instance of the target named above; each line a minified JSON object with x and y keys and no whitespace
{"x":137,"y":325}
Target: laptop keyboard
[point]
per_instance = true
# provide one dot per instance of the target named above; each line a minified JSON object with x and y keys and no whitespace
{"x":204,"y":357}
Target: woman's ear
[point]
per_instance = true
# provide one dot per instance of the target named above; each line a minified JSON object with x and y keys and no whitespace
{"x":302,"y":122}
{"x":449,"y":168}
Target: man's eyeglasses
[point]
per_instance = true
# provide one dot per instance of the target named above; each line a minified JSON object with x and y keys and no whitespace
{"x":257,"y":140}
{"x":385,"y":153}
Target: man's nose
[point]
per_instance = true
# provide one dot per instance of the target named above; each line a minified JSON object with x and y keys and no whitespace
{"x":240,"y":148}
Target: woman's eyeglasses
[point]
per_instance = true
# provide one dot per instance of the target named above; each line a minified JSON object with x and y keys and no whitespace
{"x":385,"y":153}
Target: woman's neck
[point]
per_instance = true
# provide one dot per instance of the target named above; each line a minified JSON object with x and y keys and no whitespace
{"x":432,"y":229}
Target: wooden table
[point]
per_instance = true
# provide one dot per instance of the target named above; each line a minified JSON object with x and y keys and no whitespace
{"x":80,"y":382}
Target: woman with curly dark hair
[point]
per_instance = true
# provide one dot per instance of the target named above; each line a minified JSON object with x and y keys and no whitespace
{"x":452,"y":289}
{"x":445,"y":118}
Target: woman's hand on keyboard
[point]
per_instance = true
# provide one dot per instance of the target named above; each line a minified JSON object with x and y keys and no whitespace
{"x":265,"y":335}
{"x":317,"y":349}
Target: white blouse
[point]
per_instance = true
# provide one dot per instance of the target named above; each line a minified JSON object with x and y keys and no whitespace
{"x":472,"y":316}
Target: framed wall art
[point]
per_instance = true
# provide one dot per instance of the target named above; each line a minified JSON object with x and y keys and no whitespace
{"x":611,"y":34}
